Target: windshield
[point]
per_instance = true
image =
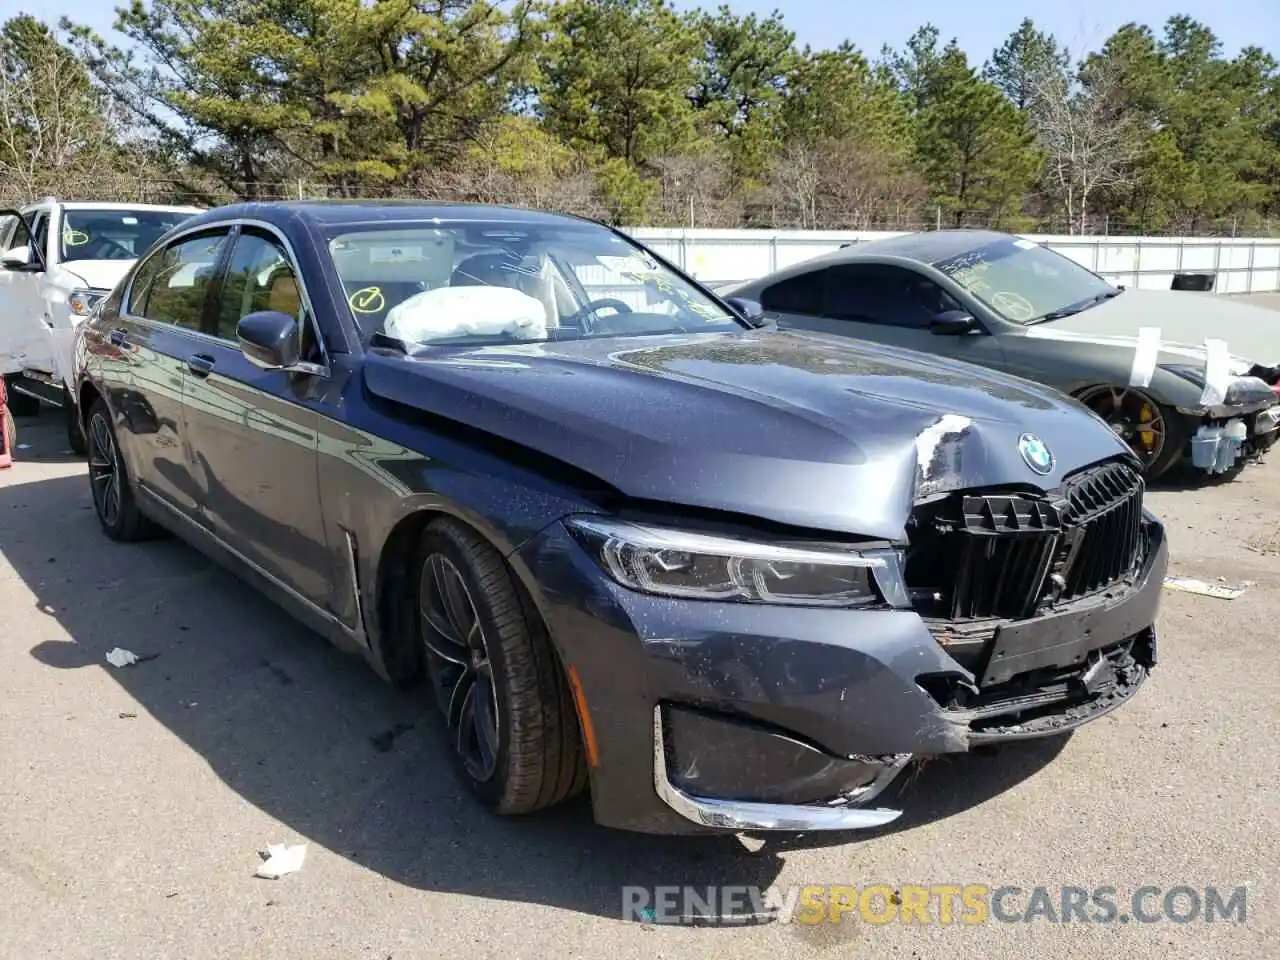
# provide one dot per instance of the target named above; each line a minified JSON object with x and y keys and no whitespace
{"x":113,"y":234}
{"x":501,"y":283}
{"x":1023,"y":281}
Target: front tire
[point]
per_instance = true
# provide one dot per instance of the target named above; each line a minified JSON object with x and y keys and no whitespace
{"x":113,"y":496}
{"x":494,"y":676}
{"x":1156,"y":433}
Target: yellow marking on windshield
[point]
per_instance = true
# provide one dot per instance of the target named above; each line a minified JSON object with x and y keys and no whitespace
{"x":367,"y":300}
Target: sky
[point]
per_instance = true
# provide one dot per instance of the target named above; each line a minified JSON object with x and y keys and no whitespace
{"x":979,"y":26}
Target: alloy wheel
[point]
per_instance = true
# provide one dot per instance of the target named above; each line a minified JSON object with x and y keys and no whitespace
{"x":104,"y":470}
{"x":459,"y":666}
{"x":1133,"y":416}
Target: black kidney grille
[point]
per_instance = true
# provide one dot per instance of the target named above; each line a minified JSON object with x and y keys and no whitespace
{"x":1103,"y":540}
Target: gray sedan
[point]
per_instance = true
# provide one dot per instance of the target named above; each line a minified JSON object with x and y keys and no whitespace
{"x":1177,"y":375}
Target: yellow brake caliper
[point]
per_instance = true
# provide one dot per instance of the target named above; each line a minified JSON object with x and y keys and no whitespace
{"x":1145,"y":416}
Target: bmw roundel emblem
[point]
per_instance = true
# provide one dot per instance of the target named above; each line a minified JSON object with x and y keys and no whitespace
{"x":1035,"y":454}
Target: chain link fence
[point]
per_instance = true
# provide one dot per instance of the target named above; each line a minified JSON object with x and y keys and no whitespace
{"x":578,"y":197}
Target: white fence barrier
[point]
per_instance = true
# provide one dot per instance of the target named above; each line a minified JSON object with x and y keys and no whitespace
{"x":1237,"y":265}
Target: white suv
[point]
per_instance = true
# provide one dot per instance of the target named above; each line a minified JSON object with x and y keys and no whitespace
{"x":57,"y":260}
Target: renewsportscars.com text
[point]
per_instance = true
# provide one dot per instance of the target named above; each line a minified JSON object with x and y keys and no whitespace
{"x":933,"y":904}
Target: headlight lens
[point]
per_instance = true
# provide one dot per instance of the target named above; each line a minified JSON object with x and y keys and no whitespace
{"x":677,"y":563}
{"x":82,"y":302}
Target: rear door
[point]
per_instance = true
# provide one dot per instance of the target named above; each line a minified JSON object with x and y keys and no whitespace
{"x":157,"y":330}
{"x":253,"y":433}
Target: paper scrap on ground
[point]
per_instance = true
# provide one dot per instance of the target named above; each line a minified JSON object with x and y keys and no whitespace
{"x":1190,"y":585}
{"x":120,"y":657}
{"x":1145,"y":355}
{"x":281,"y":859}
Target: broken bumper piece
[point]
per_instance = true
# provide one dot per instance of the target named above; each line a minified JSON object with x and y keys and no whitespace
{"x":709,"y":717}
{"x":692,"y":760}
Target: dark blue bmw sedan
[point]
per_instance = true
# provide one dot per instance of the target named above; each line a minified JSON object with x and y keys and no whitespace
{"x":626,"y":536}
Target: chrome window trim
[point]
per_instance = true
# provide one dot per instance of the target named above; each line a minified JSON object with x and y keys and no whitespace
{"x":233,"y":228}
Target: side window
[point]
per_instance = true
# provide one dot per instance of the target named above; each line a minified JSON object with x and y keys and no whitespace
{"x":873,"y":293}
{"x":14,"y":232}
{"x":259,"y":277}
{"x":802,"y":293}
{"x":179,"y":288}
{"x":40,"y":235}
{"x":143,"y":280}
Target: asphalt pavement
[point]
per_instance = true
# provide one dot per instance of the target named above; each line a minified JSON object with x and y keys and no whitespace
{"x":136,"y":800}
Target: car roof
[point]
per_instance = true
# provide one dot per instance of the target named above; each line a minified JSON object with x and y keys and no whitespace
{"x":929,"y":247}
{"x":327,"y":213}
{"x":93,"y":205}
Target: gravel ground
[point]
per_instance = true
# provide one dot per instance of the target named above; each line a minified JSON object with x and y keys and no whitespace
{"x":137,"y":800}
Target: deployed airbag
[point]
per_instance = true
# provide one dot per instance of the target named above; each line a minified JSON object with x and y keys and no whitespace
{"x":447,"y":313}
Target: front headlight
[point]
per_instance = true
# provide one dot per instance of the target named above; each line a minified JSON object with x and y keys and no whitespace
{"x":679,"y":563}
{"x":83,"y":301}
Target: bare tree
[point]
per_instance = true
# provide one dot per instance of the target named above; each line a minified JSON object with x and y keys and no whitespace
{"x":56,"y":132}
{"x":694,"y":187}
{"x":794,"y":181}
{"x":1089,"y":141}
{"x":860,"y":182}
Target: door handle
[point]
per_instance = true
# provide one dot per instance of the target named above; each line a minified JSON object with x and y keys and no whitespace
{"x":201,"y":364}
{"x":119,"y":337}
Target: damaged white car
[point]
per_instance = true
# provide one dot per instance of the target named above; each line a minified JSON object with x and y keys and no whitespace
{"x":57,"y":260}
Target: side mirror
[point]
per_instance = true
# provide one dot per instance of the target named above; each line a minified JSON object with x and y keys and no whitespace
{"x":953,"y":323}
{"x":19,"y":258}
{"x":747,"y":309}
{"x":269,"y":339}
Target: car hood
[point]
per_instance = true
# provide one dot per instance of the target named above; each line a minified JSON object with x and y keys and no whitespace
{"x":816,"y":433}
{"x":97,"y":274}
{"x":1184,"y":319}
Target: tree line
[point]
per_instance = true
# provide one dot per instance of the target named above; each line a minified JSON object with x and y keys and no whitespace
{"x":632,"y":112}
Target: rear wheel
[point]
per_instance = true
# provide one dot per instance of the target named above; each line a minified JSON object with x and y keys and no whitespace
{"x":113,"y":497}
{"x":494,"y":676}
{"x":1157,"y":434}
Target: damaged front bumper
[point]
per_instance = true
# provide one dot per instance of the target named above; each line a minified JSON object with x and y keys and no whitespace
{"x":1228,"y":436}
{"x":707,"y":716}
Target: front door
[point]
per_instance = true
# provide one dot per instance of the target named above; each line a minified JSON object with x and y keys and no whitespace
{"x":887,"y":304}
{"x":252,"y":433}
{"x":158,"y":329}
{"x":25,"y":338}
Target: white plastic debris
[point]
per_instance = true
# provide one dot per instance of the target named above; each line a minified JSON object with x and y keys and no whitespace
{"x":1217,"y":372}
{"x":1145,"y":354}
{"x":1199,"y":587}
{"x":282,"y":858}
{"x":448,"y":312}
{"x":119,"y":657}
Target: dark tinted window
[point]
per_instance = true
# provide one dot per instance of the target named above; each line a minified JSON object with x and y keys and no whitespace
{"x":802,"y":293}
{"x":889,"y":296}
{"x":177,"y":290}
